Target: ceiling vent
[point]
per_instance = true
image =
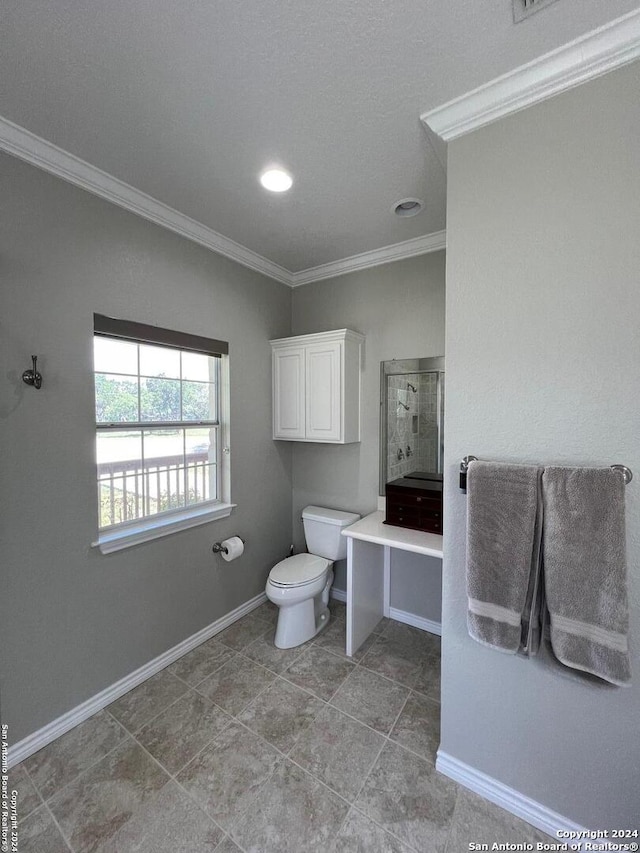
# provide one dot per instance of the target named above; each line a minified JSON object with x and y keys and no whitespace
{"x":523,"y":8}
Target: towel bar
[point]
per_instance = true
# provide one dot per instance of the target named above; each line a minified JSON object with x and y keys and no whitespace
{"x":627,"y":473}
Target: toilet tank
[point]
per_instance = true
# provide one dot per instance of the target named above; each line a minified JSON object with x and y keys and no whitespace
{"x":322,"y":529}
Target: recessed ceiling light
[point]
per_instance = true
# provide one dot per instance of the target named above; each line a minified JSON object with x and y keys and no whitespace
{"x":276,"y":180}
{"x":408,"y":207}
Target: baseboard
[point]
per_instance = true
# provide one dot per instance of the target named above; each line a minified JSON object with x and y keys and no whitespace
{"x":416,"y":621}
{"x":399,"y":615}
{"x":56,"y":728}
{"x":507,"y":798}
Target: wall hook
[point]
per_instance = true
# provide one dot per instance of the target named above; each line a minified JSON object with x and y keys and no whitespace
{"x":32,"y":377}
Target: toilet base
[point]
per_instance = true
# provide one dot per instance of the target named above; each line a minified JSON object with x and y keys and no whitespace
{"x":300,"y":616}
{"x":298,"y":624}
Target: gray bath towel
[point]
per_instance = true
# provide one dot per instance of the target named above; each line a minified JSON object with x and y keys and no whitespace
{"x":585,"y":570}
{"x":503,"y":549}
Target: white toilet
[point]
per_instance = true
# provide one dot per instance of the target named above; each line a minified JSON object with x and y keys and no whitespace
{"x":300,"y":584}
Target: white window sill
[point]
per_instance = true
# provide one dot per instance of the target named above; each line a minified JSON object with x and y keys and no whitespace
{"x":144,"y":530}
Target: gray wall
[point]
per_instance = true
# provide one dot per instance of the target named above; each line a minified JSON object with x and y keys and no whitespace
{"x":399,"y":307}
{"x":75,"y":621}
{"x":416,"y":584}
{"x":543,"y":360}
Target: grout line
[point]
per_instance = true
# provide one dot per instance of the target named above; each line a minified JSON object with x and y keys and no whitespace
{"x":286,"y":756}
{"x":259,"y":693}
{"x":209,"y":674}
{"x":196,"y":754}
{"x":346,"y":818}
{"x":393,"y":835}
{"x":155,"y":716}
{"x":62,"y":835}
{"x":370,"y":770}
{"x":35,"y":788}
{"x":90,"y":766}
{"x":43,"y":805}
{"x":175,"y":781}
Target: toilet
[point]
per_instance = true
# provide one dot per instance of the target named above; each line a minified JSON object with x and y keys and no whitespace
{"x":300,"y":585}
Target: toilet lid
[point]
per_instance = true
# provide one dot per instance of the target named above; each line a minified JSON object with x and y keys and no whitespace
{"x":298,"y":570}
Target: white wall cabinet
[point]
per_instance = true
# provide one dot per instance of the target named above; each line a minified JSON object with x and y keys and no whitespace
{"x":316,"y":387}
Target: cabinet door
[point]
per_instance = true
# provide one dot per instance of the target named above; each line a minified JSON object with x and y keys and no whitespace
{"x":288,"y":393}
{"x":323,"y":408}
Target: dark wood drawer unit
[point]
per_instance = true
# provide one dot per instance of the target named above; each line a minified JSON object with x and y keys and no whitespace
{"x":415,"y":503}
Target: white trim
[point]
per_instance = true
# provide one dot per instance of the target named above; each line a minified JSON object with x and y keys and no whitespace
{"x":25,"y":145}
{"x":145,"y":529}
{"x":396,"y":252}
{"x":609,"y":47}
{"x":33,"y":149}
{"x":507,"y":798}
{"x":320,"y":338}
{"x":56,"y":728}
{"x":399,"y":615}
{"x":415,"y":621}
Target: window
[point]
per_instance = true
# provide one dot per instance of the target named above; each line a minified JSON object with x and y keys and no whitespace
{"x":161,"y":431}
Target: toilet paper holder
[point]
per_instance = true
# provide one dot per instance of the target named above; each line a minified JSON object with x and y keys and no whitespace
{"x":218,"y":547}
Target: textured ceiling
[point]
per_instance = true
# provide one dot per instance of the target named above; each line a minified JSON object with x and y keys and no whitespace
{"x":189,"y":100}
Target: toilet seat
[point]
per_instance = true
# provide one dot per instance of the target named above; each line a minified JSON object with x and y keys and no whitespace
{"x":299,"y":570}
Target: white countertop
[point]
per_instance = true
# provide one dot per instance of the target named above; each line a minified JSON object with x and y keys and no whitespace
{"x":372,"y":529}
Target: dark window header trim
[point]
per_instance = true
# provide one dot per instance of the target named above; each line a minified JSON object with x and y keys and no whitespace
{"x":144,"y":334}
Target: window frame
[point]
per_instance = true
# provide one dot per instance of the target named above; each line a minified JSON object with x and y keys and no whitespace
{"x":126,"y":534}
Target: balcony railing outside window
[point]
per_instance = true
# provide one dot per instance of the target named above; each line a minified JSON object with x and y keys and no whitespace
{"x":130,"y":489}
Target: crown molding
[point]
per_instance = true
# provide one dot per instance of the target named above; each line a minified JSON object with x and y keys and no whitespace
{"x":609,"y":47}
{"x":396,"y":252}
{"x":45,"y":155}
{"x":38,"y":152}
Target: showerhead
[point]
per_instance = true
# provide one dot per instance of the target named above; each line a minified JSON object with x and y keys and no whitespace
{"x":413,"y":387}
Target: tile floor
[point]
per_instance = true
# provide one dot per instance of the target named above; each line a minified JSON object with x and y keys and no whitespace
{"x":240,"y":746}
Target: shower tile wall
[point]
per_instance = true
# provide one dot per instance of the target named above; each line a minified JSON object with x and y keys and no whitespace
{"x":414,"y":431}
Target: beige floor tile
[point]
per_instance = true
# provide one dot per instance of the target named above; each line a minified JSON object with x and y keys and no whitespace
{"x":392,"y":659}
{"x":98,"y":803}
{"x":266,"y":653}
{"x":226,"y":776}
{"x":372,"y":699}
{"x":66,"y":758}
{"x":334,"y":639}
{"x":201,"y":662}
{"x":418,"y":727}
{"x":319,"y":671}
{"x":339,"y":751}
{"x":406,"y":796}
{"x":243,"y":632}
{"x":236,"y":684}
{"x":293,"y":813}
{"x":477,"y":820}
{"x":39,"y":834}
{"x":267,"y":611}
{"x":137,"y":707}
{"x":227,"y":846}
{"x":169,"y":822}
{"x":28,"y":799}
{"x":427,"y":680}
{"x":281,"y":714}
{"x":361,"y":835}
{"x":180,"y":732}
